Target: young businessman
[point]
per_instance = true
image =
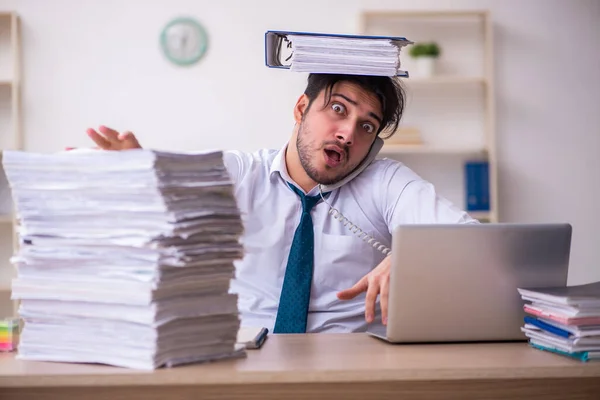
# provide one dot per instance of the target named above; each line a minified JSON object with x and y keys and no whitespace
{"x":303,"y":270}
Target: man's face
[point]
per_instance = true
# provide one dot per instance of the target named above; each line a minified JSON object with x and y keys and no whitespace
{"x":334,"y":139}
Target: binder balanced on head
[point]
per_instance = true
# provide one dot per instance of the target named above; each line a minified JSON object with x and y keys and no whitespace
{"x":335,"y":53}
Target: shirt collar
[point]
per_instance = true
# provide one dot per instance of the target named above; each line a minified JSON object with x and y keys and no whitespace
{"x":278,"y":164}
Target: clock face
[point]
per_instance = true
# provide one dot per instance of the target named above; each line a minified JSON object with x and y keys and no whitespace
{"x":184,"y":41}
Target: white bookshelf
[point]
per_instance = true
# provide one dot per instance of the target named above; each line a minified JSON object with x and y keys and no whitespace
{"x":454,"y":109}
{"x":10,"y":139}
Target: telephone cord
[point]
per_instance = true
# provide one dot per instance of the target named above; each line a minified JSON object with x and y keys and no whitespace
{"x":355,"y":229}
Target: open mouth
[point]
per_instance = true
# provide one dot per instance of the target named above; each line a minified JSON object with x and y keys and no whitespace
{"x":333,"y":156}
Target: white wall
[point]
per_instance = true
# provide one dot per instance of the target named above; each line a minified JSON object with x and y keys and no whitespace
{"x":96,"y":62}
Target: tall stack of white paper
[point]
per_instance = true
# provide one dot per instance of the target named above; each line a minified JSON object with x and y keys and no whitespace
{"x":125,"y":257}
{"x":345,"y":55}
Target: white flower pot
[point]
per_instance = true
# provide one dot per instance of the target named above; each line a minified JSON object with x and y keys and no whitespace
{"x":425,"y":66}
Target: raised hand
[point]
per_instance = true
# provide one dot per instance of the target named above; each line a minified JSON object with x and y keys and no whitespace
{"x":109,"y":139}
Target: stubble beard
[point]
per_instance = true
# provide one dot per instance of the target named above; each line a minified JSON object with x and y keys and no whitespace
{"x":305,"y":152}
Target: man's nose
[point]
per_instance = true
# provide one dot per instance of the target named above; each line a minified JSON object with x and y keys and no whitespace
{"x":345,"y":133}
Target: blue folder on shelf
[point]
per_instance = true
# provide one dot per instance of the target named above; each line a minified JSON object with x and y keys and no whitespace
{"x":277,"y":46}
{"x":477,"y":185}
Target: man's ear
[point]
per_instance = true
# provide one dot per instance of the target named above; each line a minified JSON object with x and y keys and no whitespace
{"x":300,"y":108}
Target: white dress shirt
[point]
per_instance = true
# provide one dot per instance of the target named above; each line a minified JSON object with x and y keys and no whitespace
{"x":385,"y":194}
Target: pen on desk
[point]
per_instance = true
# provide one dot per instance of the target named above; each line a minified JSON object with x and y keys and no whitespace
{"x":260,"y":338}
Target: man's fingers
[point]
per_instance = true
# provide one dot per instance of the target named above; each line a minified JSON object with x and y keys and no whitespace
{"x":354,"y":291}
{"x":383,"y":300}
{"x":110,"y":134}
{"x":99,"y":139}
{"x":129,"y":141}
{"x":370,"y":300}
{"x":109,"y":139}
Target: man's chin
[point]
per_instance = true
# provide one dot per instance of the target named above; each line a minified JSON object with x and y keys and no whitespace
{"x":326,"y":179}
{"x":327,"y":175}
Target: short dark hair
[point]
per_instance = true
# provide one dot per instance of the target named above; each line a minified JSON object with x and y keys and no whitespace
{"x":388,"y":90}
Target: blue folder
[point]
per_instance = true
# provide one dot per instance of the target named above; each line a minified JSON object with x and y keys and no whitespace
{"x":547,"y":327}
{"x":477,"y":186}
{"x":276,"y":40}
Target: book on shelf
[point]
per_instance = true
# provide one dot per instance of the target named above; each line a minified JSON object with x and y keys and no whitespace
{"x":564,"y":320}
{"x":335,"y":53}
{"x":477,"y":185}
{"x":405,"y":136}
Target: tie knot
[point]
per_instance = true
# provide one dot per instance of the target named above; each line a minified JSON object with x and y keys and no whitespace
{"x":308,"y":202}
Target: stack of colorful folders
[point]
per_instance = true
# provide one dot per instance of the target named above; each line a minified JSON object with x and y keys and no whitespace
{"x":564,"y":320}
{"x":125,"y":258}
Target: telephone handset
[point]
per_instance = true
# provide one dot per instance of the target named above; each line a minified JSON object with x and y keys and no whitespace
{"x":373,"y":151}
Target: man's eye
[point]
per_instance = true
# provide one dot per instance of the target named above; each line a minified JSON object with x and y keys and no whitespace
{"x":338,"y":108}
{"x":369,"y":128}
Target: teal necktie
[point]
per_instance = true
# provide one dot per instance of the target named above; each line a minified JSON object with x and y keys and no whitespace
{"x":295,"y":293}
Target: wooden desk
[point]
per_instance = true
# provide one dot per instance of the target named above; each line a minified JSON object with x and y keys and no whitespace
{"x":322,"y":366}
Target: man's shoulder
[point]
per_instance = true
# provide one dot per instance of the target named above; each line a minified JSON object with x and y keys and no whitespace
{"x":385,"y":170}
{"x":241,"y":164}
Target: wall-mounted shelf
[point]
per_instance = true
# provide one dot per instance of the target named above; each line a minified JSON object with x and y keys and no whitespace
{"x":450,"y":108}
{"x":483,"y":216}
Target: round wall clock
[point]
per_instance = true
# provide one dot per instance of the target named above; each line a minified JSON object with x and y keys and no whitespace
{"x":183,"y":41}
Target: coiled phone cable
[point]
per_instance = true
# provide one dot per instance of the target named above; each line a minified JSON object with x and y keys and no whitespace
{"x":355,"y":229}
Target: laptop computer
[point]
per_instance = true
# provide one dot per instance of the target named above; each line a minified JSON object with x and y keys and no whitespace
{"x":458,"y":283}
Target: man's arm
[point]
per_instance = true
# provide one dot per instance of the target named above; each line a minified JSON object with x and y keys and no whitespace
{"x":237,"y":164}
{"x":419,"y":203}
{"x":405,"y":199}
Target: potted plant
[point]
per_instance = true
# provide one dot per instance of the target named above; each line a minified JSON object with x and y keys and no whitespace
{"x":425,"y":55}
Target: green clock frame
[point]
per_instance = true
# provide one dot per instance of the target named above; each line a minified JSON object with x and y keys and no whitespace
{"x":203,"y":36}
